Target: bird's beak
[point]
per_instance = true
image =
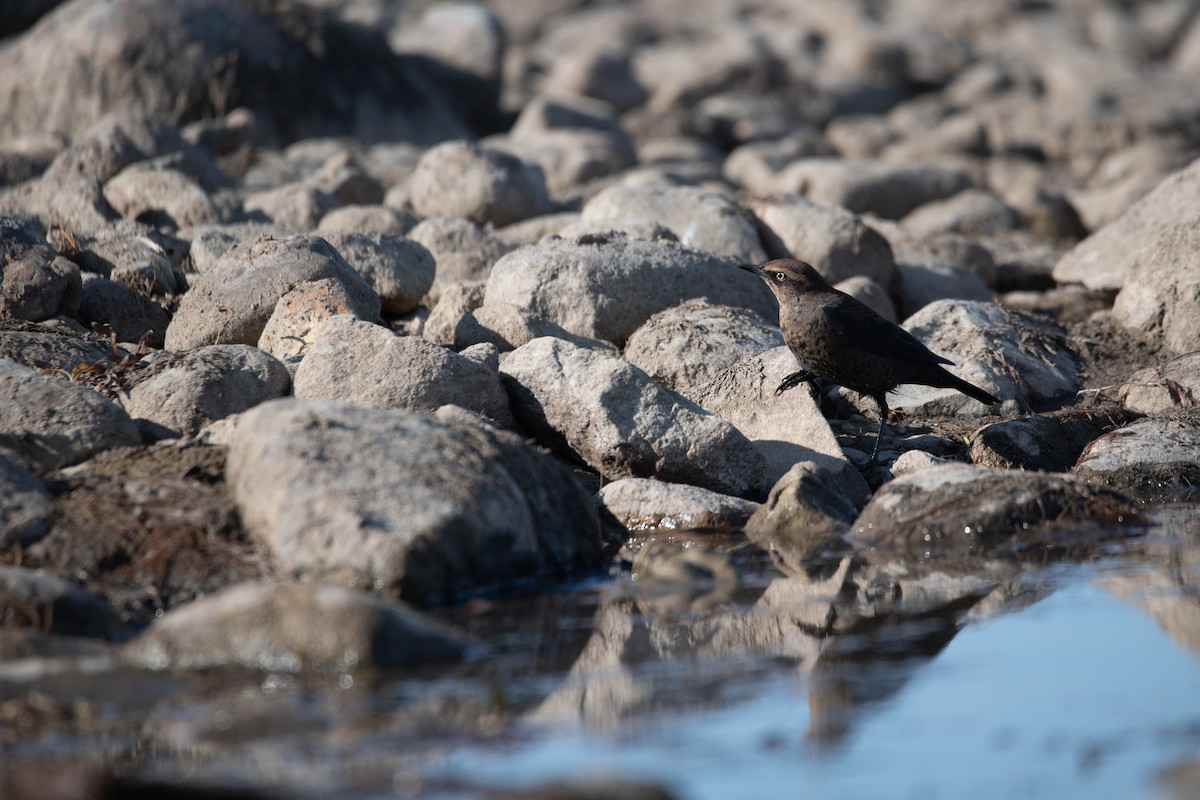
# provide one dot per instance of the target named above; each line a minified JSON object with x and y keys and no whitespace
{"x":754,"y":268}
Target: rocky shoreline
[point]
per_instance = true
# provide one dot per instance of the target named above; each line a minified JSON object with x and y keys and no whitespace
{"x":460,"y":316}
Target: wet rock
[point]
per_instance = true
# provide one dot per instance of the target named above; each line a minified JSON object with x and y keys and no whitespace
{"x":231,"y":303}
{"x":677,"y":575}
{"x":48,"y":422}
{"x":1157,"y":298}
{"x":130,"y":314}
{"x":31,"y":599}
{"x":299,"y":314}
{"x":1150,"y":458}
{"x":160,"y":197}
{"x":25,"y":506}
{"x":833,"y":240}
{"x":454,"y":306}
{"x":786,"y":428}
{"x":1174,"y":385}
{"x":290,"y":628}
{"x":806,"y":512}
{"x":1049,"y":442}
{"x":45,"y":348}
{"x":400,"y":271}
{"x":184,"y":392}
{"x":297,"y":73}
{"x":358,"y":362}
{"x":420,"y":507}
{"x":462,"y":250}
{"x":606,"y":288}
{"x":701,"y":219}
{"x":1104,"y":259}
{"x":373,"y":218}
{"x":614,"y":417}
{"x":35,"y":282}
{"x":642,"y":504}
{"x":459,"y":179}
{"x":888,"y":190}
{"x":1014,"y":356}
{"x":960,"y":510}
{"x":686,"y":346}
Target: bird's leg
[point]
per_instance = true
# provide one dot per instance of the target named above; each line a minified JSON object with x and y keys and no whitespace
{"x":883,"y":415}
{"x":795,"y":379}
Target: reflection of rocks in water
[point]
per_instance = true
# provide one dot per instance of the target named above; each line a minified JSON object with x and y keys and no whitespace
{"x":1167,"y":587}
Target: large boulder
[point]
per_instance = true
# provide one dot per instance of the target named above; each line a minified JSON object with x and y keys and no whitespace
{"x":426,"y":508}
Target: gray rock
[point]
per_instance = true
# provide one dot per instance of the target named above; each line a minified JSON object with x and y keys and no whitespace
{"x":45,"y":348}
{"x":833,"y":240}
{"x":375,"y":218}
{"x":299,"y":314}
{"x":599,"y":73}
{"x":532,"y":231}
{"x":292,"y":628}
{"x":615,"y":418}
{"x":569,"y":157}
{"x":53,"y":605}
{"x":357,"y":362}
{"x":960,"y":510}
{"x":298,"y":74}
{"x":922,"y":284}
{"x":507,"y":327}
{"x":35,"y":282}
{"x":1105,"y":259}
{"x":210,"y":242}
{"x":546,"y":113}
{"x":400,"y":271}
{"x":1127,"y":175}
{"x":454,"y":306}
{"x":468,"y":38}
{"x":47,"y":422}
{"x":972,"y":212}
{"x":786,"y":428}
{"x":232,"y":302}
{"x":459,"y":179}
{"x":936,"y":249}
{"x":1013,"y":356}
{"x":184,"y":392}
{"x":462,"y":250}
{"x":130,"y":314}
{"x":299,"y":206}
{"x":1153,"y":390}
{"x":160,"y":196}
{"x":805,"y":513}
{"x":26,"y":507}
{"x":701,"y":219}
{"x":131,"y":253}
{"x":888,"y":190}
{"x":1150,"y":458}
{"x":1158,"y":298}
{"x":343,"y":178}
{"x":419,"y":507}
{"x":755,"y":166}
{"x":1042,"y":442}
{"x":642,"y":504}
{"x":606,"y":288}
{"x":644,"y":230}
{"x":686,"y":346}
{"x":109,"y":141}
{"x":870,"y":294}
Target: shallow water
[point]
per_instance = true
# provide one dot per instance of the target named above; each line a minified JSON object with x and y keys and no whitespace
{"x":1056,"y":680}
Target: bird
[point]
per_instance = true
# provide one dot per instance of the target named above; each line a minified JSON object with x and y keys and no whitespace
{"x":837,"y":339}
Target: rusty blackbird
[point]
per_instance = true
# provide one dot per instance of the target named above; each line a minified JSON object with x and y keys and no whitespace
{"x":839,"y":340}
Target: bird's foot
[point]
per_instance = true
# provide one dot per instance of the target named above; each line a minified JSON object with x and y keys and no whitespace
{"x":795,"y":379}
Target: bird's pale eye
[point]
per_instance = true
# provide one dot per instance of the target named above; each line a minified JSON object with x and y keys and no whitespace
{"x":779,"y":276}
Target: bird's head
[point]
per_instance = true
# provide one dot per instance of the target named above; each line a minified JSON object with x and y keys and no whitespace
{"x":787,"y":276}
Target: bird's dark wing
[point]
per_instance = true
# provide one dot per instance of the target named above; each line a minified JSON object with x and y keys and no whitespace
{"x":866,"y":330}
